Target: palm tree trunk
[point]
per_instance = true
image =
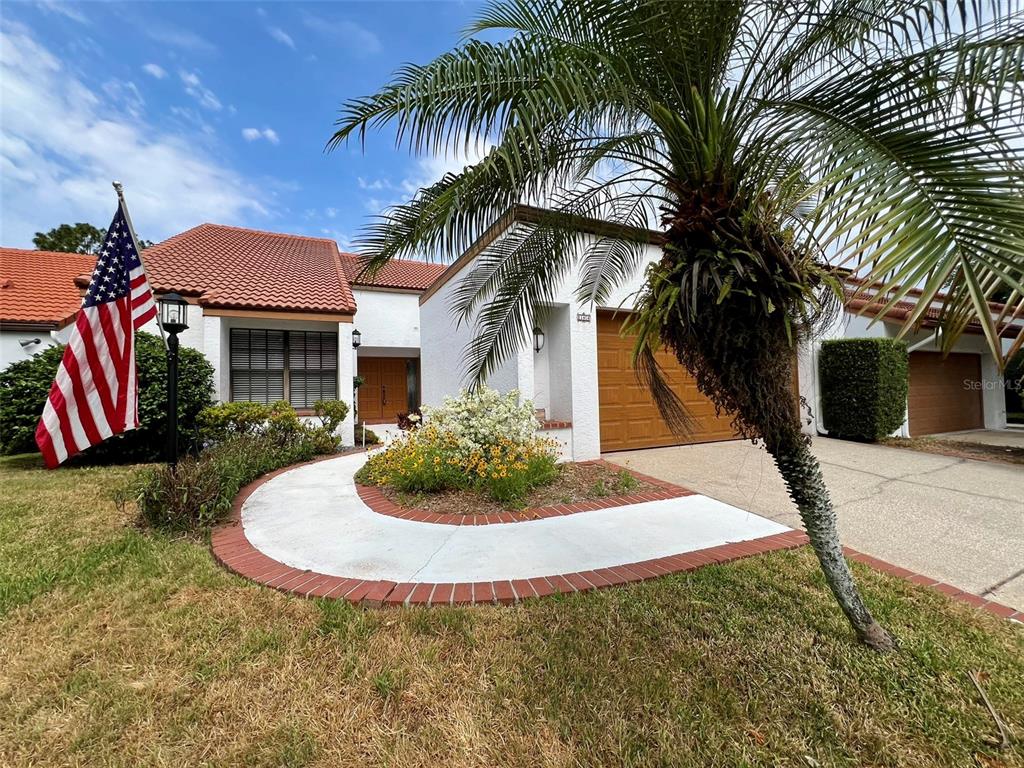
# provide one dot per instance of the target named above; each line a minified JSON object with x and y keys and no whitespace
{"x":802,"y":474}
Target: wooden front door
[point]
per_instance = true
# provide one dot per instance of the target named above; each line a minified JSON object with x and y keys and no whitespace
{"x":945,"y":393}
{"x":384,"y":393}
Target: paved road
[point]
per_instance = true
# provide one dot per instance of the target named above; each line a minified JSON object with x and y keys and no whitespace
{"x":958,"y":520}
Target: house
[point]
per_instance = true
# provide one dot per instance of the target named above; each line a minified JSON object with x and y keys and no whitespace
{"x":579,"y":375}
{"x":292,"y":317}
{"x":276,"y":315}
{"x":38,"y":300}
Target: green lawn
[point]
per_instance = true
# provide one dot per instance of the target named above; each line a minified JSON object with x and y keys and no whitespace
{"x":121,"y":647}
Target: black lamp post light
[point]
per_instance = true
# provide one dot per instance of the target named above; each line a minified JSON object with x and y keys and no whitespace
{"x":173,"y":320}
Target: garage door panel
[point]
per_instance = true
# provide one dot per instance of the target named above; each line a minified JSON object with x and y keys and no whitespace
{"x":945,"y":393}
{"x":629,"y":418}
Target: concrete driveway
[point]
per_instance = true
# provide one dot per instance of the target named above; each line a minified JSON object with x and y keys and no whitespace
{"x":958,"y":520}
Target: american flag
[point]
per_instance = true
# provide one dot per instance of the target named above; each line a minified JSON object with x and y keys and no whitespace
{"x":95,"y":393}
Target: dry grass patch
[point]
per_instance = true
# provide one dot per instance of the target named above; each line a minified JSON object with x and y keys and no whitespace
{"x":136,"y":649}
{"x":960,"y":449}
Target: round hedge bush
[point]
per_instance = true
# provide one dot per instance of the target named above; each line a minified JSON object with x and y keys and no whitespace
{"x":25,"y":385}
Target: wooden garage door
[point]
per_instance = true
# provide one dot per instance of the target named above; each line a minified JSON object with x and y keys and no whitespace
{"x":945,"y":393}
{"x":629,"y":417}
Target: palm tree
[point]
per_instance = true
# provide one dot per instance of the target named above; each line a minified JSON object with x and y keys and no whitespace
{"x":769,"y":140}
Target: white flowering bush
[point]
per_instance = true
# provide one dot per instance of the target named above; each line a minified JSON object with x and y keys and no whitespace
{"x":482,"y":440}
{"x":480,"y":419}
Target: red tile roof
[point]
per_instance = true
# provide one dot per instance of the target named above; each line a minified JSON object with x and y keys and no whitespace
{"x":864,"y":299}
{"x":38,"y":287}
{"x":397,"y":273}
{"x":231,"y":267}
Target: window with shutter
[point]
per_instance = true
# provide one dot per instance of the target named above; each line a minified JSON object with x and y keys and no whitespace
{"x":298,"y":366}
{"x":312,"y":367}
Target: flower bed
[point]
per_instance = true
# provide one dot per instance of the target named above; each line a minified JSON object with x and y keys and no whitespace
{"x":572,"y":484}
{"x":482,"y":442}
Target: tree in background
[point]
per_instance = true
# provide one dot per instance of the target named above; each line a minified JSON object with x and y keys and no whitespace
{"x":74,"y":238}
{"x":761,"y":135}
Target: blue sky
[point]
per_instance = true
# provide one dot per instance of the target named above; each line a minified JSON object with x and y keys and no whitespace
{"x":206,"y":111}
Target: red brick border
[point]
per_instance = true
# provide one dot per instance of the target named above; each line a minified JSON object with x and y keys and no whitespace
{"x":378,"y":502}
{"x":235,"y":552}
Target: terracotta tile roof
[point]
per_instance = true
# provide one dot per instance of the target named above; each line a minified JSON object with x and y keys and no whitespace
{"x":863,"y":299}
{"x":397,"y":273}
{"x":236,"y":268}
{"x":39,"y":286}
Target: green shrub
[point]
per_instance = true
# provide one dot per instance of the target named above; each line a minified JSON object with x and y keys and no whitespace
{"x":371,"y":437}
{"x":25,"y":385}
{"x":200,"y":490}
{"x":331,"y":413}
{"x":863,"y":387}
{"x":223,"y":420}
{"x":1014,"y":379}
{"x":277,"y":420}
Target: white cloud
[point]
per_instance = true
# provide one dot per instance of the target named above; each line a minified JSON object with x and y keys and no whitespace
{"x":374,"y":184}
{"x":356,"y":38}
{"x":195,"y":88}
{"x":281,"y":36}
{"x":63,"y":9}
{"x":63,"y":143}
{"x":168,"y":34}
{"x":331,"y":212}
{"x":255,"y":134}
{"x":125,"y":94}
{"x":155,"y":70}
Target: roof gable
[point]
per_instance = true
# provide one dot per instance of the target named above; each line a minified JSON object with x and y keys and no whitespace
{"x":404,"y":274}
{"x":232,"y":267}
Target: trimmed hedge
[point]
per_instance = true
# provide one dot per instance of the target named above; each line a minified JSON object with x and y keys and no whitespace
{"x":25,"y":385}
{"x":864,"y":385}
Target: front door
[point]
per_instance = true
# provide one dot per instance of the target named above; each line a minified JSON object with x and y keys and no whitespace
{"x":384,"y":393}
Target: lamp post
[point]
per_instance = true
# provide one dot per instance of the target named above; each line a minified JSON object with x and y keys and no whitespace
{"x":174,"y":320}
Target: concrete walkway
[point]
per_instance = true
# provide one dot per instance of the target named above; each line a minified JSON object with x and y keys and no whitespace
{"x":958,"y":520}
{"x":311,"y":518}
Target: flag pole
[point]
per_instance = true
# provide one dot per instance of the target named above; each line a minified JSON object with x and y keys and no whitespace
{"x":119,"y":188}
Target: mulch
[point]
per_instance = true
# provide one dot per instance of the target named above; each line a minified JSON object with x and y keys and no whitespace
{"x":575,"y":483}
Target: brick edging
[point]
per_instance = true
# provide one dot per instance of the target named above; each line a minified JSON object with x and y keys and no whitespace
{"x":379,"y":503}
{"x":1000,"y":610}
{"x":233,"y":550}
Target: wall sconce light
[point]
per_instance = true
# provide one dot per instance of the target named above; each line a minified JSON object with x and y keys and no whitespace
{"x":357,"y":339}
{"x":538,"y":339}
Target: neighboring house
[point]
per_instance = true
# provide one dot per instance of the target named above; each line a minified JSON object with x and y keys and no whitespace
{"x":582,"y":378}
{"x":38,"y":300}
{"x":948,"y":393}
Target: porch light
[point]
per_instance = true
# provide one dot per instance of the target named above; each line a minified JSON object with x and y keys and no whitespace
{"x":538,"y":339}
{"x":357,"y":339}
{"x":173,"y":313}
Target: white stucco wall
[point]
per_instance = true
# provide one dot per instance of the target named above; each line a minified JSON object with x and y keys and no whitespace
{"x":562,"y":379}
{"x":11,"y":350}
{"x":387,"y":319}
